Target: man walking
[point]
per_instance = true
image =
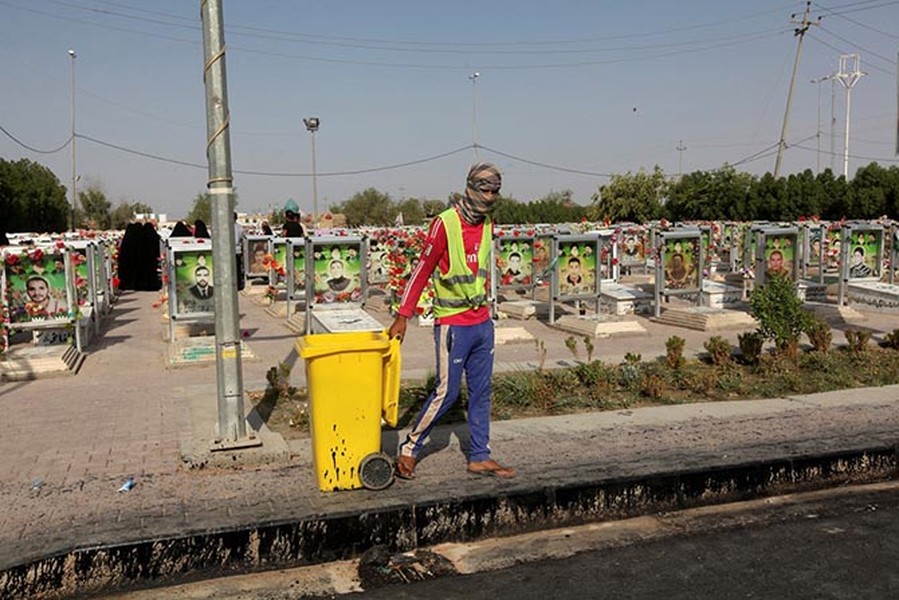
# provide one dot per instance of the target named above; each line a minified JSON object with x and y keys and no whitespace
{"x":458,"y":251}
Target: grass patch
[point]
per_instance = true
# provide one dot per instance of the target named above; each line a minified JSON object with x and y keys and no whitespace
{"x":596,"y":386}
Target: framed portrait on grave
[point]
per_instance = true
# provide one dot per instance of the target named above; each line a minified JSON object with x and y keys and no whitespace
{"x":337,"y":267}
{"x":278,"y":277}
{"x":781,"y":256}
{"x":297,"y":268}
{"x":577,"y":267}
{"x":865,"y":248}
{"x":632,"y":247}
{"x":377,"y":268}
{"x":542,"y":257}
{"x":833,"y":243}
{"x":812,"y":245}
{"x":37,"y":286}
{"x":607,"y":253}
{"x":255,"y":249}
{"x":83,"y":259}
{"x":192,"y":272}
{"x":681,"y":262}
{"x":514,"y":262}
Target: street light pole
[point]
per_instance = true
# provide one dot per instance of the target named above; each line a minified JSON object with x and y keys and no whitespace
{"x":819,"y":81}
{"x":848,"y":79}
{"x":474,"y":112}
{"x":312,"y":124}
{"x":73,"y":55}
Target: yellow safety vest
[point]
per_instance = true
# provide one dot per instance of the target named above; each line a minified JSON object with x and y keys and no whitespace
{"x":459,"y":289}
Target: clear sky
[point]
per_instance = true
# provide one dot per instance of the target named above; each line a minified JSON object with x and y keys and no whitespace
{"x":568,"y":91}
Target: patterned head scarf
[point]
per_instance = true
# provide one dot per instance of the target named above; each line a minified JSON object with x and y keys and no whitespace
{"x":475,"y":204}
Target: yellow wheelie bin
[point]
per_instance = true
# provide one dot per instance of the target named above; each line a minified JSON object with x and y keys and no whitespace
{"x":353,"y":380}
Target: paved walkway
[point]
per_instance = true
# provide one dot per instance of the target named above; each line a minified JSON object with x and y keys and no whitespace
{"x":70,"y":442}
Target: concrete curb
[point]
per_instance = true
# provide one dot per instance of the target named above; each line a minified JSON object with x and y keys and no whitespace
{"x":407,"y":526}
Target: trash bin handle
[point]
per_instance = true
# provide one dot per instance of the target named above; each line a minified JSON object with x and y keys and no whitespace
{"x":391,"y":392}
{"x":316,"y":351}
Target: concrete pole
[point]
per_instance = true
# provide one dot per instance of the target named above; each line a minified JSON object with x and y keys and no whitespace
{"x":315,"y":213}
{"x":474,"y":112}
{"x":73,"y":55}
{"x":800,"y":32}
{"x":232,"y":429}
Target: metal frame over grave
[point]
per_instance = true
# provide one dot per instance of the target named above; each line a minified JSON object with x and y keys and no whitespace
{"x":860,"y":242}
{"x":776,"y":250}
{"x":563,"y":251}
{"x":337,"y":306}
{"x":183,"y":257}
{"x":669,"y":281}
{"x":296,"y":282}
{"x":26,"y":256}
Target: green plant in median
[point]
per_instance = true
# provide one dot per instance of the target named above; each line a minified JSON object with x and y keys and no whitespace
{"x":779,"y":311}
{"x":719,"y":350}
{"x":541,"y":354}
{"x":751,"y":344}
{"x":858,"y":340}
{"x":588,"y":345}
{"x":819,"y":333}
{"x":891,"y":340}
{"x":571,"y":344}
{"x":674,"y":352}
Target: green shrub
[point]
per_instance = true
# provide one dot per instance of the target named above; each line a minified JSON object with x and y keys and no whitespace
{"x":751,"y":344}
{"x":571,"y":344}
{"x":633,"y":358}
{"x":779,"y":311}
{"x":891,"y":340}
{"x":858,"y":340}
{"x":674,"y":352}
{"x":590,"y":347}
{"x":819,"y":334}
{"x":719,"y":350}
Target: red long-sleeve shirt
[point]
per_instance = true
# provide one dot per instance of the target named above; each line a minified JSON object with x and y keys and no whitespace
{"x":436,"y":255}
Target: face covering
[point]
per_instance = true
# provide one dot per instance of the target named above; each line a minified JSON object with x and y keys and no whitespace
{"x":475,"y":204}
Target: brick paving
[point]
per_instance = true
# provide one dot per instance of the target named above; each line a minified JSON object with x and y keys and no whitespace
{"x":70,"y":442}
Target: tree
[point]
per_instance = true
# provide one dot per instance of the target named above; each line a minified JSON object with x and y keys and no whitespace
{"x":124,"y":213}
{"x":369,"y":207}
{"x":31,"y":198}
{"x":412,"y":210}
{"x":432,"y":208}
{"x":202,"y":209}
{"x":628,"y":197}
{"x":95,"y":208}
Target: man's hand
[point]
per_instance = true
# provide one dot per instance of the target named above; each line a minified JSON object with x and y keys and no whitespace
{"x":397,"y":328}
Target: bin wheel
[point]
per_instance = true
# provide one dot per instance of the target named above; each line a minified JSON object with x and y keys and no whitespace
{"x":376,"y":471}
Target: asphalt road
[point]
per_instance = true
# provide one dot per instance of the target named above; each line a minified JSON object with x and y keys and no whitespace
{"x":830,"y":544}
{"x":842,"y":547}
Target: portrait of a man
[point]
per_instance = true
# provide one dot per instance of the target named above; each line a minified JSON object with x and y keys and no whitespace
{"x":202,"y":287}
{"x":337,"y":280}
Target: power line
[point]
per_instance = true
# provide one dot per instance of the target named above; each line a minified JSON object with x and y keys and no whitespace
{"x":856,"y":156}
{"x":26,"y":146}
{"x":703,"y":46}
{"x":842,"y":51}
{"x":859,"y":23}
{"x":889,"y":61}
{"x":415,"y":45}
{"x":544,"y":165}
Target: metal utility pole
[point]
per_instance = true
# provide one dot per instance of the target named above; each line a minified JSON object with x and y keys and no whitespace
{"x":312,"y":124}
{"x":73,"y":55}
{"x":848,"y":79}
{"x":680,"y":158}
{"x":804,"y":24}
{"x":232,"y":427}
{"x":474,"y":112}
{"x":819,"y":81}
{"x":833,"y":123}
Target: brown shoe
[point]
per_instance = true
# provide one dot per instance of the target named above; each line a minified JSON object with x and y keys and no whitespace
{"x":491,"y":468}
{"x":405,"y":467}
